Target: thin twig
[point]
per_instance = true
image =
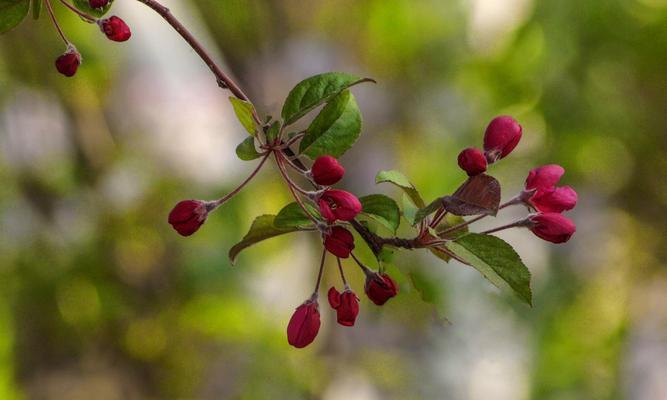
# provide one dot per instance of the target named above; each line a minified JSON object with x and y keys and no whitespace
{"x":49,"y":8}
{"x":229,"y":195}
{"x":88,"y":18}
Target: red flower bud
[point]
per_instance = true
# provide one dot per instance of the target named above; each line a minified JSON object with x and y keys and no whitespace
{"x":98,"y":3}
{"x":472,"y":161}
{"x":501,"y":137}
{"x":115,"y":28}
{"x":552,"y":227}
{"x":327,"y":171}
{"x":339,"y":204}
{"x":380,"y":288}
{"x":339,"y":242}
{"x":544,"y":177}
{"x":69,"y":62}
{"x":554,"y":200}
{"x":346,"y":305}
{"x":187,"y":216}
{"x":304,"y":324}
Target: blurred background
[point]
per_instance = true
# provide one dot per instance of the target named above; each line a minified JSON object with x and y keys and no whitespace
{"x":100,"y":298}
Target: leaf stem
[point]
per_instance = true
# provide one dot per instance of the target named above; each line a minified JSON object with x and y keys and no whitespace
{"x":294,"y":194}
{"x":342,"y":275}
{"x":49,"y":8}
{"x":519,"y":223}
{"x":319,"y":274}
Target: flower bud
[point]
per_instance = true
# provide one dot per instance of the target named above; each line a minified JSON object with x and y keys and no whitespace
{"x":339,"y":242}
{"x":327,"y":171}
{"x":346,"y":305}
{"x":339,"y":204}
{"x":544,"y":177}
{"x":115,"y":28}
{"x":69,"y":62}
{"x":472,"y":161}
{"x":380,"y":288}
{"x":552,"y":227}
{"x":501,"y":137}
{"x":554,"y":200}
{"x":98,"y":3}
{"x":304,"y":324}
{"x":187,"y":216}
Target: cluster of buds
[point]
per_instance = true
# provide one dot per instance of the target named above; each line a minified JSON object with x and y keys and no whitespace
{"x":113,"y":27}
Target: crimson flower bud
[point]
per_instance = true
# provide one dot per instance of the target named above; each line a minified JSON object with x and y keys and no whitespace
{"x":339,"y":242}
{"x":380,"y":288}
{"x":339,"y":204}
{"x":69,"y":62}
{"x":544,"y":177}
{"x":188,"y":215}
{"x":472,"y":161}
{"x":327,"y":171}
{"x":501,"y":137}
{"x":554,"y":200}
{"x":552,"y":227}
{"x":346,"y":305}
{"x":115,"y":28}
{"x":304,"y":324}
{"x":98,"y":3}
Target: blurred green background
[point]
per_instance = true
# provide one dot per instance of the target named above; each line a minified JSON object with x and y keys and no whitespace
{"x":100,"y":299}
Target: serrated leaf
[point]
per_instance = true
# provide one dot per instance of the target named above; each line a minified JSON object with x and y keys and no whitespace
{"x":12,"y":12}
{"x":272,"y":132}
{"x":262,"y":228}
{"x":246,"y":150}
{"x":401,"y":181}
{"x":382,"y":209}
{"x":496,"y":260}
{"x":36,"y":6}
{"x":314,"y":91}
{"x":244,"y":113}
{"x":335,"y":129}
{"x":84,"y":6}
{"x":292,"y":215}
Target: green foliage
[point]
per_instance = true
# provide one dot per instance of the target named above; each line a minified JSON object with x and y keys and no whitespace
{"x":335,"y":129}
{"x":36,"y":6}
{"x":316,"y":90}
{"x":401,"y":181}
{"x":382,"y":209}
{"x":293,"y":216}
{"x":12,"y":12}
{"x":84,"y":6}
{"x":496,"y":260}
{"x":273,"y":131}
{"x":246,"y":149}
{"x":244,"y":112}
{"x":262,"y":228}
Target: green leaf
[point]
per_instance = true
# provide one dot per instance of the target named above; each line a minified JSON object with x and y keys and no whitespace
{"x":246,"y":150}
{"x":401,"y":181}
{"x":409,"y":208}
{"x":496,"y":260}
{"x":382,"y":209}
{"x":334,"y":130}
{"x":262,"y":228}
{"x":292,"y":216}
{"x":244,"y":112}
{"x":84,"y":6}
{"x":36,"y":8}
{"x":12,"y":12}
{"x":447,"y":222}
{"x":273,"y":131}
{"x":314,"y":91}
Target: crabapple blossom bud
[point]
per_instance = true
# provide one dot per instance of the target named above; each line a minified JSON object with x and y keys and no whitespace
{"x":188,"y":215}
{"x":115,"y":28}
{"x":327,"y":171}
{"x":552,"y":227}
{"x":98,"y":3}
{"x":304,"y":324}
{"x":544,"y":177}
{"x":69,"y":62}
{"x":339,"y":242}
{"x":472,"y":161}
{"x":380,"y":288}
{"x":554,"y":200}
{"x":501,"y":137}
{"x":346,"y":305}
{"x":339,"y":204}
